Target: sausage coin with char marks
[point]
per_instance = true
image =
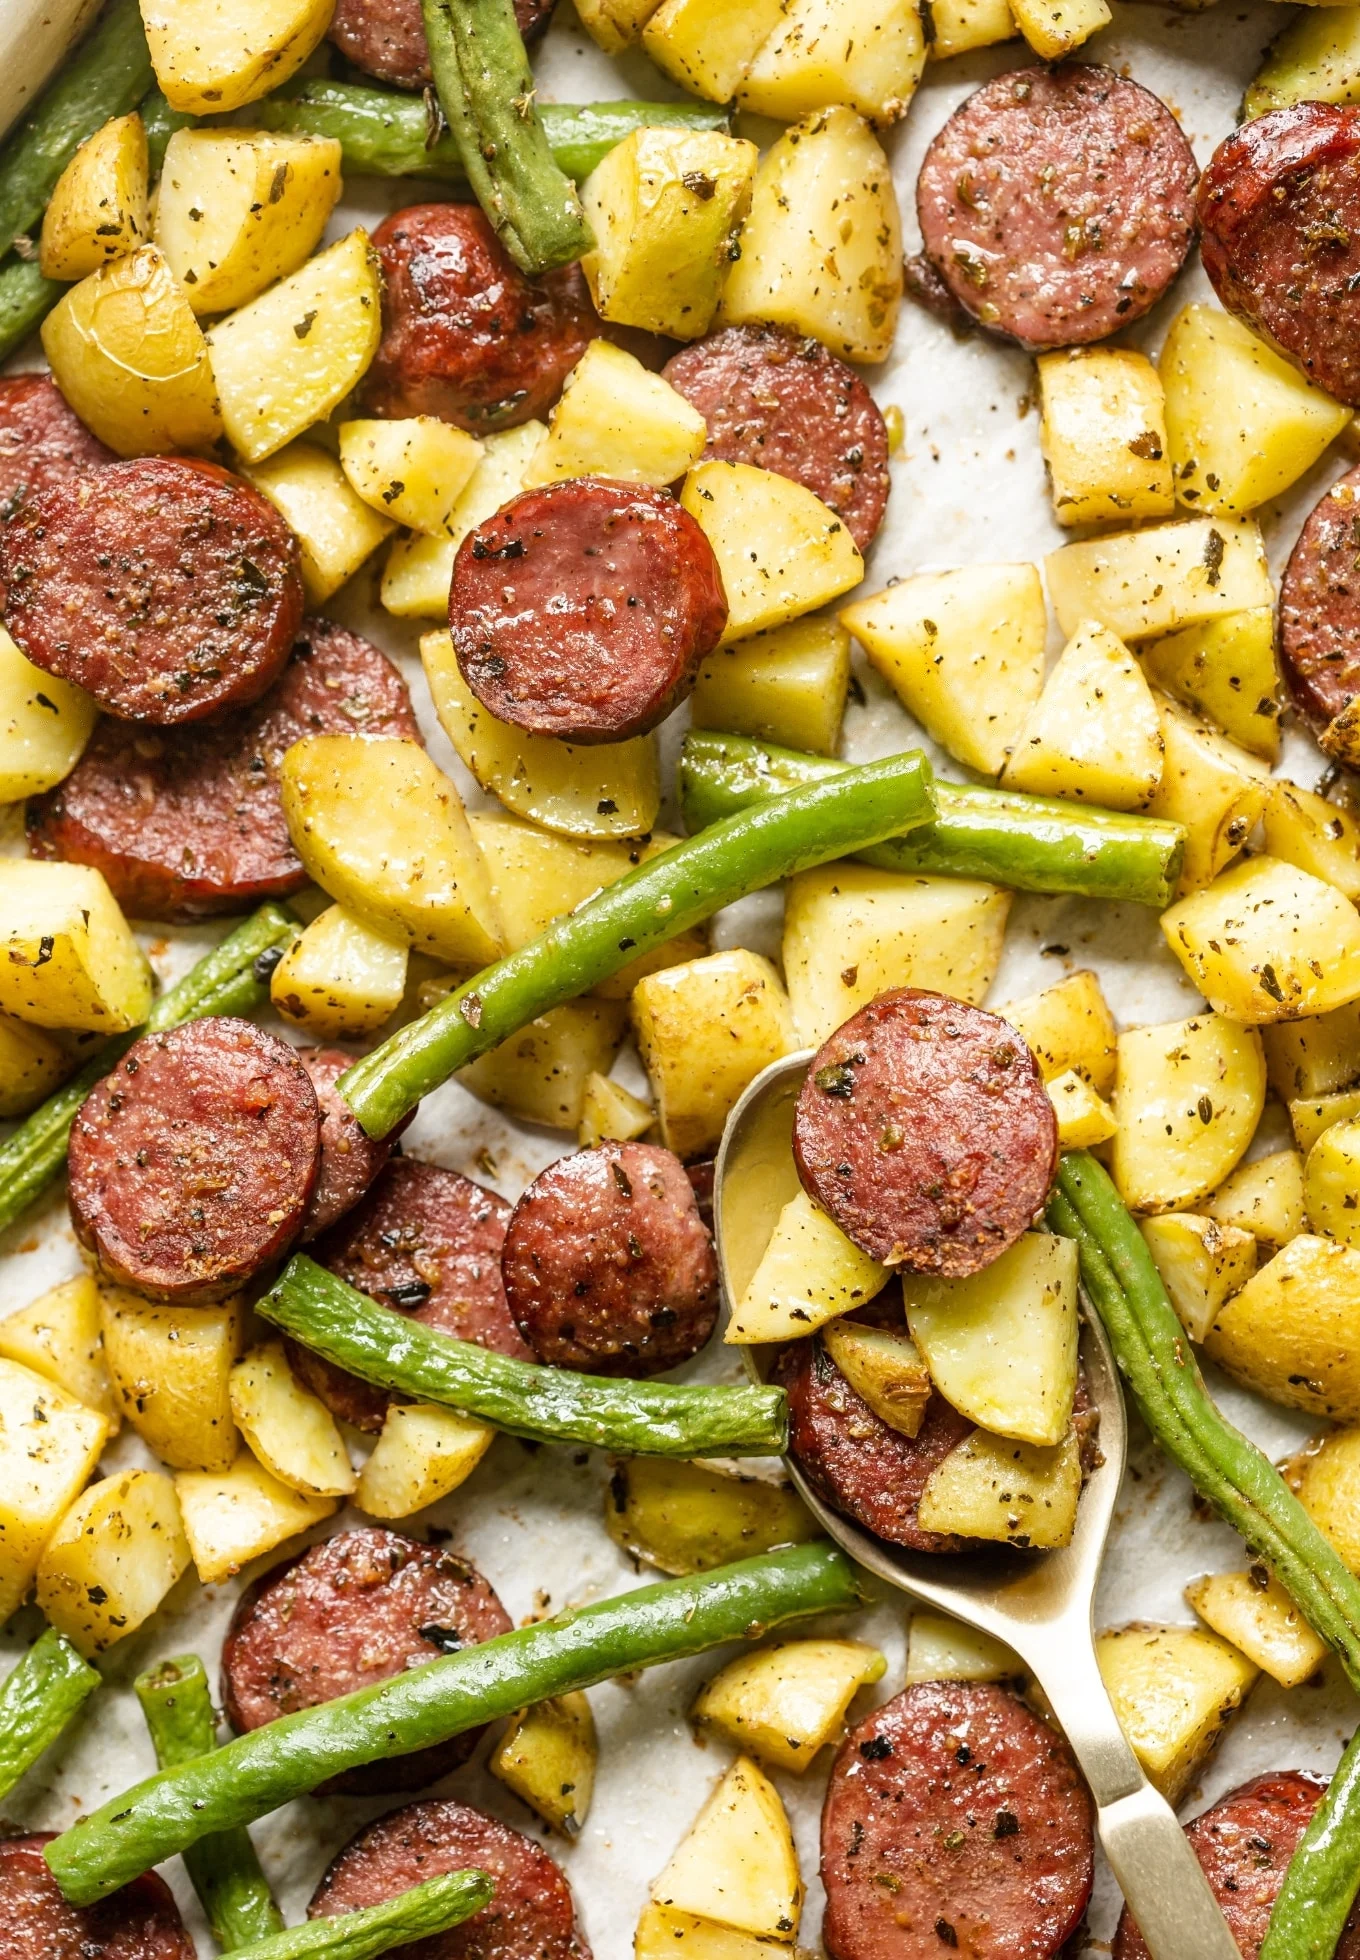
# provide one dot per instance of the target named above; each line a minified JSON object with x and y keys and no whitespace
{"x":138,"y":1922}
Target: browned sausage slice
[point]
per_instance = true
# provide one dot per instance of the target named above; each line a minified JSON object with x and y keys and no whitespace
{"x":165,"y":587}
{"x":608,"y":1266}
{"x":783,"y":402}
{"x":190,"y":823}
{"x":139,"y":1922}
{"x":1058,"y":204}
{"x":386,"y":38}
{"x":583,"y":610}
{"x":353,"y":1611}
{"x":192,"y":1163}
{"x":1280,"y":211}
{"x":42,"y":440}
{"x":350,"y":1158}
{"x":531,"y":1917}
{"x":1320,"y":605}
{"x":427,"y":1243}
{"x":955,"y":1821}
{"x":466,"y":336}
{"x":924,"y":1128}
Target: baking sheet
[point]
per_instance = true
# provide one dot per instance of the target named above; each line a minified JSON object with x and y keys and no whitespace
{"x":968,"y":486}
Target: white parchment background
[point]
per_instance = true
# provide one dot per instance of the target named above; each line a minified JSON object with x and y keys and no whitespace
{"x":968,"y":486}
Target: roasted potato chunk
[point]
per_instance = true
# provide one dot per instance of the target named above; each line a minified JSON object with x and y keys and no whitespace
{"x":1288,"y":1332}
{"x":785,"y":1702}
{"x":238,"y":209}
{"x":68,"y":958}
{"x":112,"y":1559}
{"x":1188,"y":1096}
{"x":686,"y":1517}
{"x":97,"y":211}
{"x":1174,"y":1690}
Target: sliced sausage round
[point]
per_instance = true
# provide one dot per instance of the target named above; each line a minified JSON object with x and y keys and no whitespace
{"x":42,"y":440}
{"x":853,"y":1460}
{"x":347,"y":1614}
{"x":531,"y":1917}
{"x":138,"y":1922}
{"x":1320,"y":605}
{"x":427,"y":1243}
{"x":350,"y":1157}
{"x":192,"y":1163}
{"x":924,"y":1128}
{"x":386,"y":38}
{"x":1279,"y":208}
{"x":1058,"y":204}
{"x":584,"y":610}
{"x":784,"y":402}
{"x":608,"y":1266}
{"x":165,"y":587}
{"x":955,"y":1819}
{"x":190,"y":824}
{"x":466,"y":336}
{"x":1245,"y":1842}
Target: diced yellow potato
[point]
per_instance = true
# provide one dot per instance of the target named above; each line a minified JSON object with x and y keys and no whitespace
{"x":1326,"y":1480}
{"x":339,"y":979}
{"x":851,"y":932}
{"x":130,"y":358}
{"x":885,"y":1369}
{"x":609,"y":1112}
{"x":1242,"y":423}
{"x":289,"y":1429}
{"x":31,"y":1066}
{"x":235,"y":1515}
{"x":112,"y":1559}
{"x":238,"y":209}
{"x":58,"y":1336}
{"x":705,"y":1030}
{"x":964,"y":651}
{"x":1054,"y":28}
{"x":1070,"y":1028}
{"x":1103,"y":433}
{"x":1094,"y":734}
{"x":1174,"y":1690}
{"x":1253,"y":1612}
{"x":97,"y":210}
{"x":69,"y":959}
{"x":539,"y":1075}
{"x":1084,"y":1118}
{"x":688,"y":1517}
{"x":707,"y":45}
{"x":1268,"y":942}
{"x":381,"y":829}
{"x":1001,"y":1345}
{"x":737,"y":1864}
{"x":1188,"y":1096}
{"x":171,"y":1373}
{"x":1213,"y":789}
{"x":866,"y":54}
{"x":785,"y":1702}
{"x":1142,"y":584}
{"x":663,"y":205}
{"x":1308,"y":1120}
{"x":1225,"y":669}
{"x":1316,"y":58}
{"x":1202,"y":1264}
{"x":1005,"y":1492}
{"x":548,"y":1758}
{"x":614,"y":24}
{"x":665,"y":1935}
{"x":417,"y":576}
{"x":213,"y":55}
{"x":419,"y":569}
{"x":44,"y":726}
{"x":1331,"y":1183}
{"x":423,"y":1453}
{"x":335,"y":529}
{"x":940,"y":1649}
{"x":616,"y":418}
{"x":821,"y":251}
{"x":1289,"y":1333}
{"x":1264,"y":1198}
{"x":1315,"y":1056}
{"x":601,"y":789}
{"x":786,"y":686}
{"x":413,"y":470}
{"x":285,"y":359}
{"x":49,"y":1445}
{"x":809,"y":1274}
{"x":1303,"y":828}
{"x":781,"y":552}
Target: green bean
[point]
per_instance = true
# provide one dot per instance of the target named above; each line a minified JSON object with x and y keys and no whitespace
{"x":1031,"y":843}
{"x":432,"y":1907}
{"x":1247,"y":1490}
{"x":107,"y":75}
{"x":666,"y":895}
{"x":551,"y":1405}
{"x":232,"y":979}
{"x":26,"y":299}
{"x":42,"y":1693}
{"x":223,"y":1869}
{"x":293,"y":1754}
{"x":486,"y":90}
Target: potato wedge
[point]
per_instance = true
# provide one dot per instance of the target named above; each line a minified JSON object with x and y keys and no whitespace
{"x":867,"y":54}
{"x":112,"y":1559}
{"x":705,"y":45}
{"x":1289,"y":1332}
{"x":44,"y":725}
{"x":688,"y":1517}
{"x":885,"y":1368}
{"x":1055,"y":28}
{"x":1103,"y":434}
{"x":289,"y":1429}
{"x":705,"y":1030}
{"x":58,"y":1336}
{"x":1318,"y":836}
{"x":548,"y":1759}
{"x":1267,"y":942}
{"x":97,"y":210}
{"x":737,"y":1864}
{"x":49,"y":1445}
{"x":335,"y":529}
{"x":1004,"y":1492}
{"x":212,"y":55}
{"x":1142,"y":584}
{"x":413,"y":469}
{"x":1094,"y":734}
{"x":31,"y":1066}
{"x":1069,"y":1027}
{"x":1331,"y":1183}
{"x":422,"y":1454}
{"x":809,"y":1274}
{"x":539,"y":1075}
{"x":609,"y":1112}
{"x":1084,"y":1118}
{"x":941,"y":1649}
{"x":1188,"y":1096}
{"x":1264,"y":1198}
{"x":1225,"y":669}
{"x":238,"y":209}
{"x":1202,"y":1264}
{"x":69,"y":959}
{"x":1316,"y":1056}
{"x":616,"y":418}
{"x":784,"y":1703}
{"x":1174,"y":1690}
{"x":171,"y":1374}
{"x":238,"y":1514}
{"x":1215,"y":790}
{"x":786,"y":686}
{"x":339,"y":980}
{"x":1253,"y":1612}
{"x":781,"y":552}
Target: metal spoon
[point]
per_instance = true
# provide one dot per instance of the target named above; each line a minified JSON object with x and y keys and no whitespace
{"x":1040,"y":1604}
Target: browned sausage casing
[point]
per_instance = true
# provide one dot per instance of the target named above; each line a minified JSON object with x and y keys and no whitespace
{"x":386,"y":38}
{"x":350,"y":1158}
{"x":139,"y":1922}
{"x":1320,"y":606}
